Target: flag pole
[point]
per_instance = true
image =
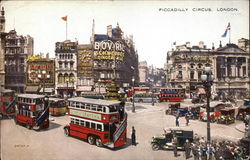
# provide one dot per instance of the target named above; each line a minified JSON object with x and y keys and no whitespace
{"x":67,"y":29}
{"x":229,"y":36}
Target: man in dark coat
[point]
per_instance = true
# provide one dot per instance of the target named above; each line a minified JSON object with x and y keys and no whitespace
{"x":133,"y":137}
{"x":187,"y":147}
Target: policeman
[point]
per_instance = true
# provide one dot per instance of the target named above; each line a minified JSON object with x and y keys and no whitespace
{"x":133,"y":137}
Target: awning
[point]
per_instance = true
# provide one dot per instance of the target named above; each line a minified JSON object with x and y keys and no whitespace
{"x":31,"y":89}
{"x":201,"y":91}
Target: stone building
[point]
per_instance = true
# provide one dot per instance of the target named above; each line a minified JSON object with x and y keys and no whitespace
{"x":109,"y":57}
{"x":66,"y":68}
{"x":230,"y":67}
{"x":17,"y":50}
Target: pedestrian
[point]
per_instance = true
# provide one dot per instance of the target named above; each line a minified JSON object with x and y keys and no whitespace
{"x":177,"y":120}
{"x":203,"y":150}
{"x":195,"y":150}
{"x":175,"y":145}
{"x":187,"y":148}
{"x":210,"y":151}
{"x":187,"y":119}
{"x":133,"y":137}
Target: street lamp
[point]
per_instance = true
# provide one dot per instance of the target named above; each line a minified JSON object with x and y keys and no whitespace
{"x":133,"y":92}
{"x":207,"y":80}
{"x":43,"y":76}
{"x":99,"y":81}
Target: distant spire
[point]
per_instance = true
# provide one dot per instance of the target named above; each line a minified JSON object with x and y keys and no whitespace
{"x":212,"y":46}
{"x":220,"y":44}
{"x":93,"y":32}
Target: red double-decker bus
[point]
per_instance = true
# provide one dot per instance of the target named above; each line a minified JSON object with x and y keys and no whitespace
{"x":32,"y":111}
{"x":171,"y":94}
{"x":100,"y":122}
{"x":7,"y":102}
{"x":138,"y":90}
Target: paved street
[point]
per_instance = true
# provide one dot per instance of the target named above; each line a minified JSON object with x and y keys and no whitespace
{"x":20,"y":143}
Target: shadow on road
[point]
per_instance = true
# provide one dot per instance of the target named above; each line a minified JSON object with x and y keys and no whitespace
{"x":129,"y":143}
{"x":52,"y":125}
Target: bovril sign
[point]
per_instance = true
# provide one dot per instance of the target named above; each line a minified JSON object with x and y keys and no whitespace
{"x":108,"y":45}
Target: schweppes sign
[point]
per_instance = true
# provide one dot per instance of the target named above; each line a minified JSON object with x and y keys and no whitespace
{"x":85,"y":114}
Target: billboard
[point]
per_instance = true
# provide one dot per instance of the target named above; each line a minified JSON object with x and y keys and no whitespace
{"x":85,"y":62}
{"x":40,"y":71}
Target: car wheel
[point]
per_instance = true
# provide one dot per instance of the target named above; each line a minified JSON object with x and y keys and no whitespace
{"x":98,"y":142}
{"x":91,"y":140}
{"x":155,"y":147}
{"x":66,"y":131}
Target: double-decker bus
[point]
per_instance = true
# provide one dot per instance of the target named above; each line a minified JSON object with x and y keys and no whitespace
{"x":100,"y":122}
{"x":138,"y":90}
{"x":32,"y":111}
{"x":172,"y":94}
{"x":57,"y":106}
{"x":7,"y":102}
{"x":145,"y":98}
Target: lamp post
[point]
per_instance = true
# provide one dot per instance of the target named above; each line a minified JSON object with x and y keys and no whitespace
{"x":67,"y":93}
{"x":133,"y":92}
{"x":99,"y":81}
{"x":207,"y":80}
{"x":43,"y":76}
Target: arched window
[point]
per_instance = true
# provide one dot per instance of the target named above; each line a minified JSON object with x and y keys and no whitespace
{"x":66,"y":77}
{"x":71,"y":77}
{"x":60,"y":78}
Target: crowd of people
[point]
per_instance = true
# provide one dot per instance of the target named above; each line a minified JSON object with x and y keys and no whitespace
{"x":199,"y":149}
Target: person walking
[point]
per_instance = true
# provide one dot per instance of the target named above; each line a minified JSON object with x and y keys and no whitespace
{"x":177,"y":120}
{"x":195,"y":150}
{"x":187,"y":148}
{"x":187,"y":119}
{"x":133,"y":137}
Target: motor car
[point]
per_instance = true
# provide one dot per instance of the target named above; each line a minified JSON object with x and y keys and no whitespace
{"x":227,"y":116}
{"x":165,"y":141}
{"x":242,"y":112}
{"x":194,"y":112}
{"x":172,"y":108}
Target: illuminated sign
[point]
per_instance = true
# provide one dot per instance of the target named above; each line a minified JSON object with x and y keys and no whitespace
{"x":108,"y":45}
{"x":66,"y":47}
{"x":85,"y":114}
{"x":40,"y":71}
{"x":85,"y":62}
{"x":109,"y":55}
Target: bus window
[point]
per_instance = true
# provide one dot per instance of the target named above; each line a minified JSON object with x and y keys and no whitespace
{"x":81,"y":122}
{"x":77,"y":121}
{"x":82,"y":106}
{"x":39,"y":101}
{"x":112,"y":109}
{"x":93,"y":125}
{"x":88,"y":106}
{"x":99,"y":127}
{"x":77,"y":105}
{"x":94,"y":107}
{"x":104,"y":109}
{"x":99,"y":108}
{"x":72,"y":120}
{"x":87,"y":124}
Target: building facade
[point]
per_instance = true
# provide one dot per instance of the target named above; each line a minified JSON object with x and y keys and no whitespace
{"x":40,"y":75}
{"x":17,"y":50}
{"x":66,"y":68}
{"x":2,"y":49}
{"x":143,"y":73}
{"x":109,"y":57}
{"x":230,"y":67}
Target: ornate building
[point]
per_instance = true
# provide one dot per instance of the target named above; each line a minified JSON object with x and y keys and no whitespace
{"x":230,"y":67}
{"x":17,"y":50}
{"x":109,"y":56}
{"x":66,"y":68}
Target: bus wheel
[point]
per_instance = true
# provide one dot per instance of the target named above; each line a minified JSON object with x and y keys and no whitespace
{"x":91,"y":140}
{"x":66,"y":131}
{"x":28,"y":125}
{"x":98,"y":142}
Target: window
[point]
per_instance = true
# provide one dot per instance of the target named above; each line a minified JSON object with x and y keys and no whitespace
{"x":81,"y":122}
{"x":99,"y":127}
{"x":192,"y":75}
{"x":77,"y":121}
{"x":93,"y":125}
{"x":87,"y":124}
{"x":94,"y":107}
{"x":88,"y":106}
{"x":99,"y":108}
{"x":77,"y":105}
{"x":72,"y":120}
{"x":82,"y":106}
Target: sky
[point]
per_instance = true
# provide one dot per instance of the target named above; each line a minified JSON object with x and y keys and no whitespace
{"x":155,"y":25}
